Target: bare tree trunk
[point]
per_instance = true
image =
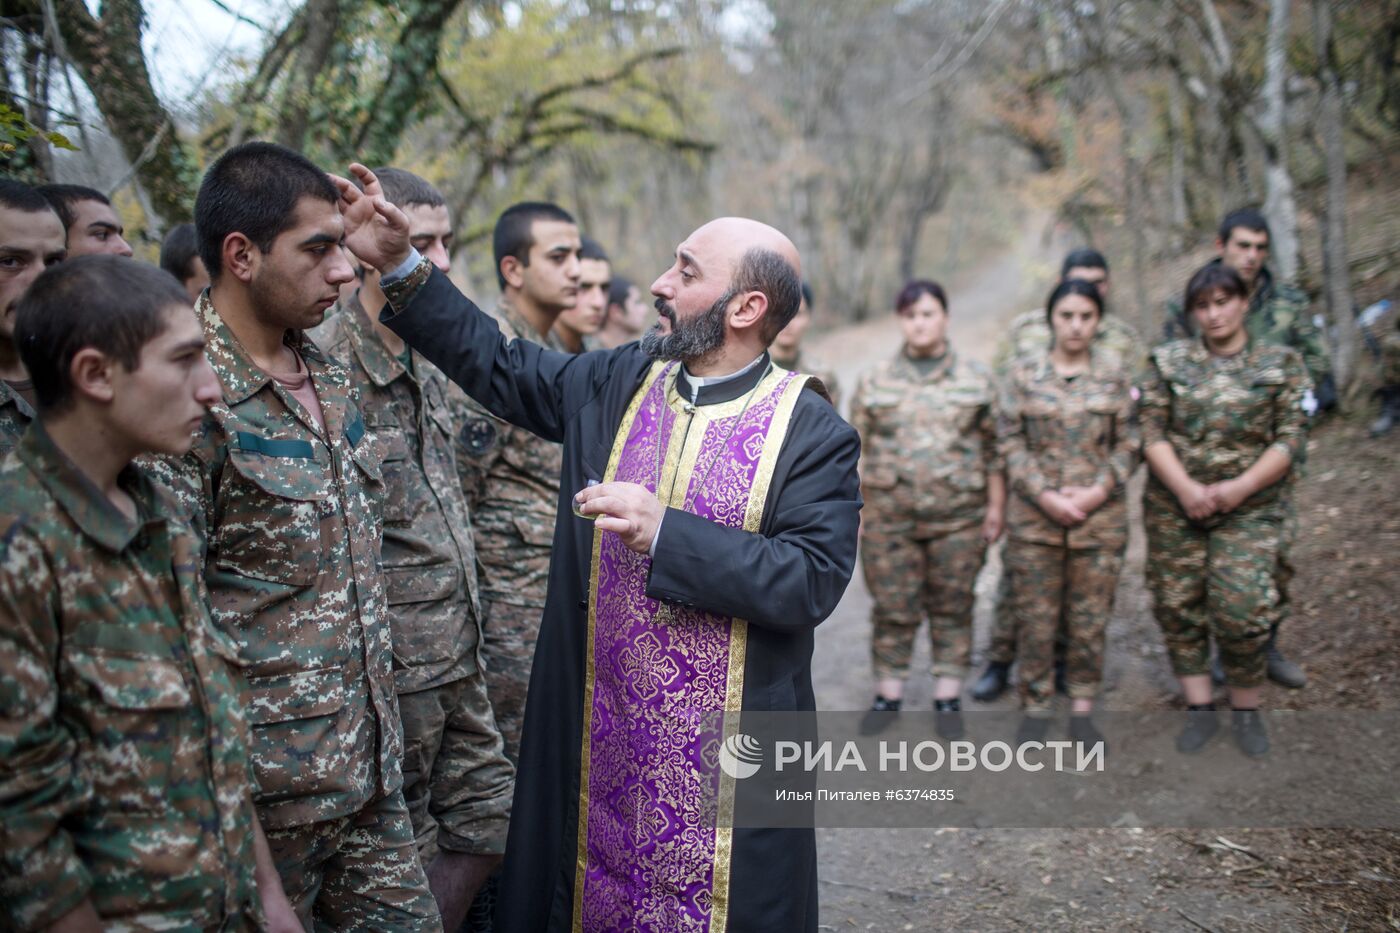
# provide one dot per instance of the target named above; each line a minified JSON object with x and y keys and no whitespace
{"x":1331,"y":126}
{"x":322,"y":23}
{"x":1177,"y":180}
{"x":1280,"y":204}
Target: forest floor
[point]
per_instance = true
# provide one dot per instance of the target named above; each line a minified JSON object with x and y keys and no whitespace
{"x":1345,"y":631}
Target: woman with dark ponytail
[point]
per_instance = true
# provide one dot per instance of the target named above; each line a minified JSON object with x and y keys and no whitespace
{"x":1067,"y":431}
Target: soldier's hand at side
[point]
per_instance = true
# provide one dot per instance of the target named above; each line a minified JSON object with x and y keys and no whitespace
{"x":626,"y":509}
{"x":993,"y":525}
{"x":1228,"y":495}
{"x":281,"y":917}
{"x":1197,"y":500}
{"x":1087,"y":499}
{"x":375,"y":230}
{"x":1060,"y":508}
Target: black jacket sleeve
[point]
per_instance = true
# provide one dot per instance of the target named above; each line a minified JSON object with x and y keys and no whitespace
{"x":518,"y":380}
{"x":790,"y":575}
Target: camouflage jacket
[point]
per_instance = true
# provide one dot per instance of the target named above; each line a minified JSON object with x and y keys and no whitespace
{"x":290,"y":515}
{"x":927,"y":442}
{"x":15,"y":415}
{"x":429,"y":561}
{"x":1056,"y":432}
{"x":1279,"y":314}
{"x":511,"y":478}
{"x":1220,"y":414}
{"x":1116,"y":343}
{"x":124,"y":772}
{"x":812,"y":366}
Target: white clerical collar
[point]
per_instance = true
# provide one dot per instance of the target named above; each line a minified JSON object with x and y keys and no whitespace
{"x":700,"y":382}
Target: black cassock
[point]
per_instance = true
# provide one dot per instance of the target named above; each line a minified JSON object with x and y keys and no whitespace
{"x":783,"y":581}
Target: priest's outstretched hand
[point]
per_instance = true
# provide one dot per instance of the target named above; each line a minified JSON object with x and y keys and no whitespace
{"x":628,"y":509}
{"x":375,"y":230}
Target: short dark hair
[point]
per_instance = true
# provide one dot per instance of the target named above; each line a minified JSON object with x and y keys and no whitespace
{"x":592,"y":249}
{"x":766,"y":271}
{"x":513,"y":235}
{"x":179,"y":249}
{"x":402,"y":188}
{"x":1248,"y":217}
{"x":618,"y":287}
{"x":254,"y":189}
{"x":62,"y":198}
{"x":1215,"y":276}
{"x":1066,"y":287}
{"x":18,"y":196}
{"x":807,"y":294}
{"x":111,"y":303}
{"x":1084,"y":258}
{"x":915,"y":289}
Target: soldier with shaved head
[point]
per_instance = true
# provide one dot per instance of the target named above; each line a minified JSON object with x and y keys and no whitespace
{"x":706,"y":525}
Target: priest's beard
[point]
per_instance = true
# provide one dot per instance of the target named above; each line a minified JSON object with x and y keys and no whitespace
{"x":689,"y":341}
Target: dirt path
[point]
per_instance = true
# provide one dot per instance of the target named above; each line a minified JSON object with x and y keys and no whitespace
{"x":1122,"y":879}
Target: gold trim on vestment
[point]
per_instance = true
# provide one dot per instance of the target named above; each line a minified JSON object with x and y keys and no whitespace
{"x":738,"y":650}
{"x":619,"y":443}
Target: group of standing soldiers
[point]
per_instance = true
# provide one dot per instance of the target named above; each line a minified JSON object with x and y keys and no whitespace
{"x":954,"y":455}
{"x":261,"y":563}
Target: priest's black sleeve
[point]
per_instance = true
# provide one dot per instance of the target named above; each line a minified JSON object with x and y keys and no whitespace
{"x":518,"y":380}
{"x":791,"y":574}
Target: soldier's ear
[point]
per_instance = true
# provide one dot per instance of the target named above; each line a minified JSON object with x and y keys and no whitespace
{"x":238,"y":259}
{"x":91,"y":374}
{"x":513,"y":271}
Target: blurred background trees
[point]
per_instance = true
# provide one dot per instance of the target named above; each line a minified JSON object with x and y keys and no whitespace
{"x":889,"y":137}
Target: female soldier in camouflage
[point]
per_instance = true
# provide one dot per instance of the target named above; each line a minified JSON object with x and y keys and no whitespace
{"x":934,"y":497}
{"x":1067,"y":432}
{"x":1222,"y":421}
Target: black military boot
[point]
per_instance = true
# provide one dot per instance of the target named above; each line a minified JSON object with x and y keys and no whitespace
{"x":1390,"y":411}
{"x":1083,"y":731}
{"x":992,"y":683}
{"x":1061,"y":677}
{"x":877,"y":718}
{"x":1032,"y":729}
{"x":1250,"y":737}
{"x":947,"y":719}
{"x":1281,"y":670}
{"x":1201,"y":725}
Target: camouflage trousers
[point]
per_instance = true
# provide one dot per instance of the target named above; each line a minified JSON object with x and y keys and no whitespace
{"x":508,"y":647}
{"x":1055,"y":588}
{"x":910,"y":578}
{"x":356,"y":872}
{"x":1001,"y":649}
{"x":1215,"y":581}
{"x":457,"y":782}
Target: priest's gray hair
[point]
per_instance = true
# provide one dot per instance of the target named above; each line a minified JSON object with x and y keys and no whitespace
{"x":766,"y":271}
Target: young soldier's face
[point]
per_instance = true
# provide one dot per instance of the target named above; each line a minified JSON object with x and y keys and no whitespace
{"x":550,"y":279}
{"x":634,"y":312}
{"x":1220,"y":315}
{"x":159,"y":405}
{"x":299,"y":278}
{"x":1093,"y":275}
{"x":430,"y":232}
{"x":30,"y":242}
{"x":1245,"y":251}
{"x":790,"y":337}
{"x":96,"y":230}
{"x":1075,"y":320}
{"x":594,"y":279}
{"x":925,"y":324}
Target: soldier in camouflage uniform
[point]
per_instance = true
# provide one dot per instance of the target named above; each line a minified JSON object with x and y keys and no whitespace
{"x":1066,"y":428}
{"x":934,"y":495}
{"x":287,"y":481}
{"x":31,"y":239}
{"x":1117,"y":344}
{"x":510,"y":476}
{"x":1279,"y":314}
{"x":125,"y":787}
{"x":577,"y":327}
{"x":1222,"y":423}
{"x":457,"y":781}
{"x":786,"y":350}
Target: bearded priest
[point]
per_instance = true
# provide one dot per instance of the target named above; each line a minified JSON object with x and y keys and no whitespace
{"x":707,"y":523}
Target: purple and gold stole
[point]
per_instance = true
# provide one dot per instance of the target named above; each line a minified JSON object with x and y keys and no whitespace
{"x":653,"y":848}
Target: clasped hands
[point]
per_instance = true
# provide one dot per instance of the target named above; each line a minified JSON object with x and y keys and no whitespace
{"x":1071,"y":505}
{"x":1201,"y":501}
{"x":629,"y":510}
